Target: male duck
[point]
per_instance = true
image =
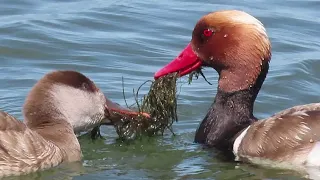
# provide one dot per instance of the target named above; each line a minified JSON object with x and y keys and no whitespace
{"x":236,"y":45}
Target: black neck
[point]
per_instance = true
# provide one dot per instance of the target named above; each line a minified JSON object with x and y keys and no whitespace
{"x":229,"y":114}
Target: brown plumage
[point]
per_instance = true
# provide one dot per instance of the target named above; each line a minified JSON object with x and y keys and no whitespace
{"x":60,"y":104}
{"x":287,"y":136}
{"x":23,"y":151}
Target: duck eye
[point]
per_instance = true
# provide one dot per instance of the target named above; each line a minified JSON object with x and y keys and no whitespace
{"x":207,"y":32}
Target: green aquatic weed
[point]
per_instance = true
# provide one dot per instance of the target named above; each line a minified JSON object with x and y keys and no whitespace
{"x":160,"y":103}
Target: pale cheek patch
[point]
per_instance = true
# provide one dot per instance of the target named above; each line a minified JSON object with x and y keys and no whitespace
{"x":82,"y":109}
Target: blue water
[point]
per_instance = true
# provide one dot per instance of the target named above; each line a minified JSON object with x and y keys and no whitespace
{"x":108,"y":40}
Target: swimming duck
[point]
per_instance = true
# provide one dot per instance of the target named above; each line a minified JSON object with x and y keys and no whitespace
{"x":237,"y":46}
{"x":59,"y":104}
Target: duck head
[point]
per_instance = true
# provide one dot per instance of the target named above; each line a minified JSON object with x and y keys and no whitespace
{"x":71,"y":96}
{"x":232,"y":42}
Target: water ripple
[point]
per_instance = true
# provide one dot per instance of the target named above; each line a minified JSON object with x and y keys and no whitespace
{"x":108,"y":40}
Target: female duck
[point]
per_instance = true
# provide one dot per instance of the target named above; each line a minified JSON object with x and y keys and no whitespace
{"x":236,"y":45}
{"x":59,"y":104}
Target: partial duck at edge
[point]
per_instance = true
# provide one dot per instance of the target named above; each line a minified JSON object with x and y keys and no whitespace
{"x":60,"y":104}
{"x":237,"y":46}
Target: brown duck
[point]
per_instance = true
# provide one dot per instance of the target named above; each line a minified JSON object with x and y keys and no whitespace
{"x":60,"y":104}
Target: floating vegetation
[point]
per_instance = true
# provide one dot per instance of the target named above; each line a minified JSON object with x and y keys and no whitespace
{"x":160,"y":103}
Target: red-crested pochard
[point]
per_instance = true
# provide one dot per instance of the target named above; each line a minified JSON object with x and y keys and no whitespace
{"x":236,"y":45}
{"x":61,"y":103}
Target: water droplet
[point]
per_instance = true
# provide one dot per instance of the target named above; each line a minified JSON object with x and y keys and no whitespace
{"x":226,"y":35}
{"x":211,"y":58}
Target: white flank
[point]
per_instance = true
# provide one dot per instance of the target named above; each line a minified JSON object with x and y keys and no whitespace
{"x":314,"y":155}
{"x":237,"y":142}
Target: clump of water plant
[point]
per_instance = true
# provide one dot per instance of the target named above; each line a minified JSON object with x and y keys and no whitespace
{"x":160,"y":103}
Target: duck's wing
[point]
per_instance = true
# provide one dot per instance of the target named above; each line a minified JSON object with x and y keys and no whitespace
{"x":23,"y":150}
{"x":291,"y":136}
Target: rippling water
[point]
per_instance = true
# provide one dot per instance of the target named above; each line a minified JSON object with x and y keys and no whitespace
{"x":108,"y":40}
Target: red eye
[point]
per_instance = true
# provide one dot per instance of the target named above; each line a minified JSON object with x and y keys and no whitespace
{"x":207,"y":32}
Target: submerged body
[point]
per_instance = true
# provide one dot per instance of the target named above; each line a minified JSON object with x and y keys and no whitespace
{"x":236,"y":45}
{"x":23,"y":151}
{"x":291,"y":136}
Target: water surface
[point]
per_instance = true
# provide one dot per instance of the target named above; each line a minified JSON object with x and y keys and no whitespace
{"x":108,"y":40}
